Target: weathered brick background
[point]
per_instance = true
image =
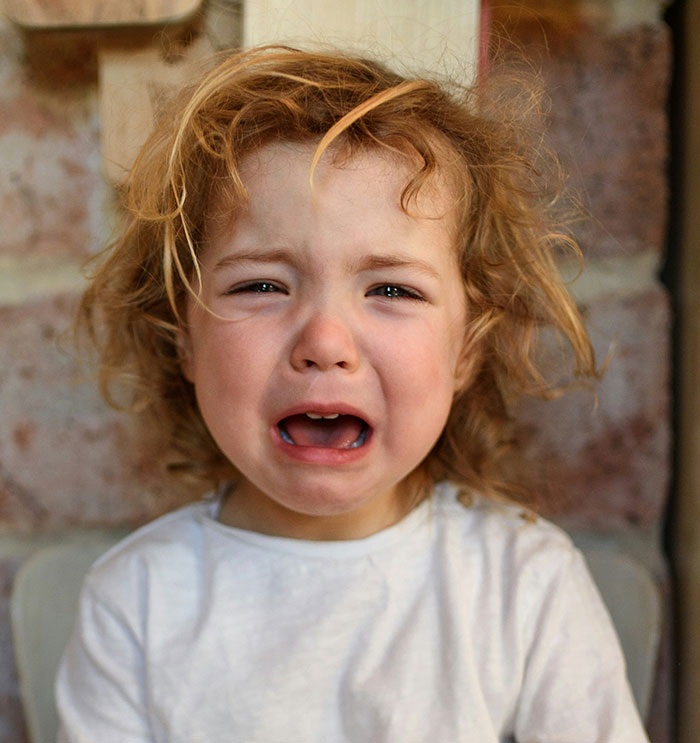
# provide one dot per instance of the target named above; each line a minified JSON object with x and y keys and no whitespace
{"x":603,"y":460}
{"x":65,"y":461}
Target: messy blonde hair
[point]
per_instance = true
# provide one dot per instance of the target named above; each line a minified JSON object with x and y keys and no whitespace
{"x":506,"y":239}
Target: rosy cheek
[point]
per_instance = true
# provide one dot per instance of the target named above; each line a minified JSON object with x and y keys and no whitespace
{"x":427,"y":367}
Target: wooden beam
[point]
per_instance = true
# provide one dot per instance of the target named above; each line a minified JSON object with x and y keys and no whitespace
{"x":434,"y":36}
{"x":48,"y":14}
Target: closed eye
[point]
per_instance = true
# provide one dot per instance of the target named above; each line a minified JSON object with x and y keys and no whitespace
{"x":256,"y":287}
{"x":395,"y":291}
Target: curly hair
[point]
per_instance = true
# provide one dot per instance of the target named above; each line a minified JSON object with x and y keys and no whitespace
{"x":507,"y":239}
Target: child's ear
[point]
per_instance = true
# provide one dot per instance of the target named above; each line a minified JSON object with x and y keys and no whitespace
{"x":184,"y":353}
{"x":463,"y":375}
{"x":467,"y":365}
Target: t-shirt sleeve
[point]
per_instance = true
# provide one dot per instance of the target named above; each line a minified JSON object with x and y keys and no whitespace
{"x":575,"y":688}
{"x":100,"y":689}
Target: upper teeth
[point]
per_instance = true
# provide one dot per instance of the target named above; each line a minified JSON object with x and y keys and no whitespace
{"x":317,"y":416}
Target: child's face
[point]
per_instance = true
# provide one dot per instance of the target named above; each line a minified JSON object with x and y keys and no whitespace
{"x":338,"y":304}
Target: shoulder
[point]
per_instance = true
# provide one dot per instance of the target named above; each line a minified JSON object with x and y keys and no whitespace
{"x":163,"y":551}
{"x":498,"y":525}
{"x":505,"y":546}
{"x":525,"y":570}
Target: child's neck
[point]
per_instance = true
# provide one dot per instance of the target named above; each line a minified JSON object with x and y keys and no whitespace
{"x":245,"y":507}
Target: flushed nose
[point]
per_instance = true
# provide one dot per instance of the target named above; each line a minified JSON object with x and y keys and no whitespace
{"x":324,"y":343}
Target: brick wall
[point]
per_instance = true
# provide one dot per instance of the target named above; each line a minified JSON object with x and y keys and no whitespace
{"x":606,"y":464}
{"x":65,"y":461}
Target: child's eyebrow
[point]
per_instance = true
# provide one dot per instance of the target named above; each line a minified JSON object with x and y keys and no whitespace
{"x":257,"y":256}
{"x":381,"y":261}
{"x":370,"y":262}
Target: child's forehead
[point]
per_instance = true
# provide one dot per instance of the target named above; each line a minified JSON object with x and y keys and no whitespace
{"x":270,"y":171}
{"x":275,"y":165}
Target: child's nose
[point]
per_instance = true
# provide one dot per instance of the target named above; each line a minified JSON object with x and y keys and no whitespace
{"x":324,"y":343}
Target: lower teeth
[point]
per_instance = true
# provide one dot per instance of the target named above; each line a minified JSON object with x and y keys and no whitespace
{"x":285,"y":436}
{"x":359,"y":441}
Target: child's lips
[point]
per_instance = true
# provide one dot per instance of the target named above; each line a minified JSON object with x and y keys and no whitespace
{"x":330,"y":433}
{"x":335,"y":431}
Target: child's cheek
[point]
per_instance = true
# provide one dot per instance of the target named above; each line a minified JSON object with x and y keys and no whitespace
{"x":430,"y":366}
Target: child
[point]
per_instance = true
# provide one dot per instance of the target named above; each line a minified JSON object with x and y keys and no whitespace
{"x":327,"y":290}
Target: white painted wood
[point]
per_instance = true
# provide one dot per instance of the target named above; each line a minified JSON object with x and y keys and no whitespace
{"x":439,"y":36}
{"x":133,"y":84}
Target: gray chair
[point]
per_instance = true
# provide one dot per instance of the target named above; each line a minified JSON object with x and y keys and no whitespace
{"x":42,"y":611}
{"x":633,"y":599}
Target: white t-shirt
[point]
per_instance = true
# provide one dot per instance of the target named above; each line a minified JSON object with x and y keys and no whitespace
{"x":458,"y":624}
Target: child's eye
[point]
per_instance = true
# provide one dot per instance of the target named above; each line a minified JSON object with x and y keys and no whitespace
{"x":256,"y":287}
{"x":395,"y":291}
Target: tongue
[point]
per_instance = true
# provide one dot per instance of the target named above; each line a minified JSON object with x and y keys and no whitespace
{"x":336,"y":433}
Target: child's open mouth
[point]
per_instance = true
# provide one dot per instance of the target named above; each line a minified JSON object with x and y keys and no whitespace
{"x":328,"y":431}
